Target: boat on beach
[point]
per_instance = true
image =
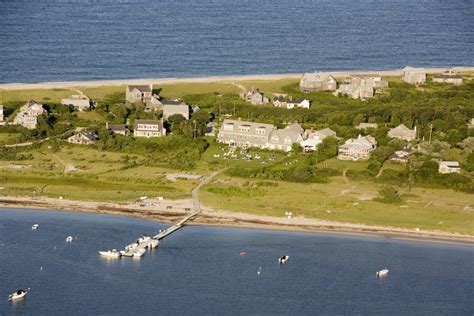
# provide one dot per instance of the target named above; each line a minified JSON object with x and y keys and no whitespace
{"x":382,"y":273}
{"x":17,"y":295}
{"x":111,"y":254}
{"x":283,"y":259}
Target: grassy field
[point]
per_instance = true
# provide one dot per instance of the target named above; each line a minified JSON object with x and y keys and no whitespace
{"x":82,"y":173}
{"x":345,"y":202}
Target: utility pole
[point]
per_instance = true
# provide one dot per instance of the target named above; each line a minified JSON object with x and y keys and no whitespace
{"x":194,"y":129}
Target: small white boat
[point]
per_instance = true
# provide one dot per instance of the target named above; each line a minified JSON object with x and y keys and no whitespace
{"x":69,"y":239}
{"x":153,"y":244}
{"x":283,"y":259}
{"x":34,"y":227}
{"x":143,"y":239}
{"x":17,"y":295}
{"x":111,"y":253}
{"x":131,"y":246}
{"x":381,"y":273}
{"x":137,"y":254}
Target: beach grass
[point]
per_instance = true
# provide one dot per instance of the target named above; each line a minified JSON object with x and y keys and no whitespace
{"x":350,"y":202}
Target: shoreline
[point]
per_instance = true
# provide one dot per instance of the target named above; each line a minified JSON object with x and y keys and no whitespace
{"x":207,"y":79}
{"x":214,"y":218}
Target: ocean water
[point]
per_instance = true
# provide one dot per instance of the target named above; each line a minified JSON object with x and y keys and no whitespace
{"x":60,"y":40}
{"x":199,"y":271}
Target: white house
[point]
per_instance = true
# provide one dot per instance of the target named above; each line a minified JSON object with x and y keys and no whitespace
{"x":255,"y":97}
{"x":316,"y":138}
{"x":449,"y":76}
{"x":149,"y":128}
{"x":449,"y":167}
{"x":28,"y":114}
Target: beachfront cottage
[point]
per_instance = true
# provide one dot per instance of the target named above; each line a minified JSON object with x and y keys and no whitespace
{"x":250,"y":134}
{"x":449,"y":167}
{"x":255,"y":97}
{"x":149,"y":128}
{"x":316,"y":138}
{"x":367,"y":125}
{"x":414,"y":75}
{"x":80,"y":101}
{"x":402,"y":132}
{"x":400,"y":156}
{"x":83,"y":138}
{"x":449,"y":76}
{"x":143,"y":94}
{"x":28,"y":114}
{"x":120,"y":129}
{"x":317,"y":81}
{"x":1,"y":115}
{"x":172,"y":107}
{"x":357,"y":148}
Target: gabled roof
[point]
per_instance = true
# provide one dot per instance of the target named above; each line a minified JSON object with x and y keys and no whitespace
{"x":149,"y":122}
{"x":449,"y":164}
{"x":326,"y":132}
{"x":117,"y":128}
{"x":317,"y":76}
{"x":142,"y":88}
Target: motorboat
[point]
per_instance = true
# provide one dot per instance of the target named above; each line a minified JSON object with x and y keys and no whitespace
{"x":143,"y":239}
{"x":153,"y":244}
{"x":17,"y":295}
{"x":131,"y":246}
{"x":283,"y":259}
{"x":111,"y":253}
{"x":140,"y":252}
{"x":381,"y":273}
{"x":34,"y":227}
{"x":69,"y":239}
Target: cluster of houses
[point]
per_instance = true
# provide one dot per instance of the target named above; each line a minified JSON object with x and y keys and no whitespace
{"x":363,"y":87}
{"x":256,"y":97}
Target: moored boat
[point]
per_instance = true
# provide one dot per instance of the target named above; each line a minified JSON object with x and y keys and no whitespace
{"x":111,"y":253}
{"x":283,"y":259}
{"x":143,"y":239}
{"x":17,"y":295}
{"x":140,"y":252}
{"x":382,"y":273}
{"x":34,"y":227}
{"x":69,"y":239}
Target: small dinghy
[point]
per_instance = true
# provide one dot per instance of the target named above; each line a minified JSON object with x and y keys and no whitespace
{"x":283,"y":259}
{"x":382,"y":273}
{"x":111,"y":254}
{"x":69,"y":239}
{"x":34,"y":227}
{"x":17,"y":295}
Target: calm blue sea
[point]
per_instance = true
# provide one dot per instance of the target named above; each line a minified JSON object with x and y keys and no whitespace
{"x":199,"y":271}
{"x":60,"y":40}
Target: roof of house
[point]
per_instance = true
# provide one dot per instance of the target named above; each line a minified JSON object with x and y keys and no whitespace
{"x":173,"y":102}
{"x":170,"y":109}
{"x":366,"y":142}
{"x":317,"y":76}
{"x":449,"y":164}
{"x":367,"y":125}
{"x":117,"y":127}
{"x":149,"y":122}
{"x":295,"y":127}
{"x":278,"y":136}
{"x":413,"y":69}
{"x":401,"y":131}
{"x":142,"y":88}
{"x":325,"y":132}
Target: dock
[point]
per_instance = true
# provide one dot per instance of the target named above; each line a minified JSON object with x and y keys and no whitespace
{"x":136,"y":250}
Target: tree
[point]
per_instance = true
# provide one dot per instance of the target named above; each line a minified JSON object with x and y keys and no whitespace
{"x":388,"y":195}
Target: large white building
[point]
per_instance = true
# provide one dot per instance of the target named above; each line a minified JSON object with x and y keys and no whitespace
{"x":414,"y":75}
{"x":28,"y":114}
{"x":149,"y":128}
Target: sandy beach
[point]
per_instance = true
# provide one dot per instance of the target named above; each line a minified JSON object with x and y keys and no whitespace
{"x":99,"y":83}
{"x":162,"y":213}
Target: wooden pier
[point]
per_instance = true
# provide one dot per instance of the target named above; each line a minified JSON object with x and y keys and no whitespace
{"x":152,"y":242}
